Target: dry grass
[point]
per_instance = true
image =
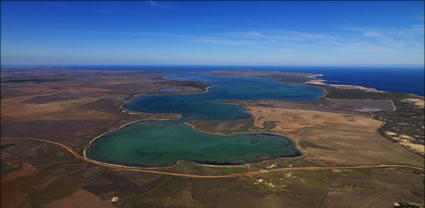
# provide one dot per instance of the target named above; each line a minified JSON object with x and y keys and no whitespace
{"x":374,"y":188}
{"x":355,"y":147}
{"x":418,"y":102}
{"x":289,"y":121}
{"x":14,"y":110}
{"x":340,"y":139}
{"x":14,"y":184}
{"x":80,"y":198}
{"x":407,"y":142}
{"x":26,"y":170}
{"x":382,"y":105}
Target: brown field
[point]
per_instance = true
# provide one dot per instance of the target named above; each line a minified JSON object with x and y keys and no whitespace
{"x":75,"y":106}
{"x":80,"y":198}
{"x":381,"y":188}
{"x":335,"y":138}
{"x":15,"y":110}
{"x":13,"y":185}
{"x":379,"y":105}
{"x":71,"y":107}
{"x":350,"y":188}
{"x":289,"y":121}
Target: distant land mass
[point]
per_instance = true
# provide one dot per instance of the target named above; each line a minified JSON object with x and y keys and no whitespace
{"x":398,"y":79}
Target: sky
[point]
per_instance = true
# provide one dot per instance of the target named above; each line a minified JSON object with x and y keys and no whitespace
{"x":212,"y":33}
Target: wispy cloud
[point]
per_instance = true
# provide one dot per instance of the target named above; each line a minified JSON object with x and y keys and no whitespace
{"x":373,"y":34}
{"x":254,"y":34}
{"x":310,"y":36}
{"x":368,"y":33}
{"x":264,"y":39}
{"x":418,"y":28}
{"x":349,"y":45}
{"x":285,"y":35}
{"x":157,"y":5}
{"x":400,"y":38}
{"x":224,"y":41}
{"x":421,"y":18}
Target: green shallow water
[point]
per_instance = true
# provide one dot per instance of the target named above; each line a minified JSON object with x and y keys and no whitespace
{"x":159,"y":144}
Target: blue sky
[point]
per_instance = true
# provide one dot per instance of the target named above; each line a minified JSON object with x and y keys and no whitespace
{"x":212,"y":33}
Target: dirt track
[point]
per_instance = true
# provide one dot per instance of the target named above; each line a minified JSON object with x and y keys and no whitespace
{"x":249,"y":173}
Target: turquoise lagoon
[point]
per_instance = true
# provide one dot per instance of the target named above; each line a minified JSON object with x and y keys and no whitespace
{"x":161,"y":143}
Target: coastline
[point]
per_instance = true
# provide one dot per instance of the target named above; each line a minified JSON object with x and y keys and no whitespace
{"x":315,"y":82}
{"x":299,"y":151}
{"x":418,"y":100}
{"x":295,"y":145}
{"x":114,"y":129}
{"x":128,"y":100}
{"x":294,"y":141}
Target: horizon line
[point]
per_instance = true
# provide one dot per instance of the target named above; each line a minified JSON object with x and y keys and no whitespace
{"x":218,"y":65}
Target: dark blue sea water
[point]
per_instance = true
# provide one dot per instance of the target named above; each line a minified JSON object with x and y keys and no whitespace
{"x":393,"y":79}
{"x":402,"y":80}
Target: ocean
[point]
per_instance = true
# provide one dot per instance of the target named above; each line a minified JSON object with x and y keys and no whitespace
{"x":400,"y":80}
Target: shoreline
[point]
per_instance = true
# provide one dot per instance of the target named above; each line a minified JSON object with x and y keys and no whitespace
{"x":237,"y":174}
{"x":315,"y":82}
{"x":128,"y":100}
{"x":114,"y":129}
{"x":320,"y":82}
{"x":293,"y":142}
{"x":133,"y":96}
{"x":301,"y":152}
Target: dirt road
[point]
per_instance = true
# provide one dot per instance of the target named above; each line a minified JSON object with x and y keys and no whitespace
{"x":249,"y":173}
